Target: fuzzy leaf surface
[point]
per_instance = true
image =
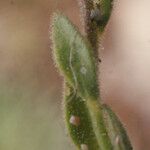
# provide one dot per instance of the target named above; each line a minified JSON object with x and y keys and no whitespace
{"x":74,"y":57}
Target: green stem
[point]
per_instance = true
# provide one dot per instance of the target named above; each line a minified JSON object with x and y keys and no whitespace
{"x":95,"y":111}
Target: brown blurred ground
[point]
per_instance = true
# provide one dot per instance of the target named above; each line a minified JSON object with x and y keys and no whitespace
{"x":30,"y":87}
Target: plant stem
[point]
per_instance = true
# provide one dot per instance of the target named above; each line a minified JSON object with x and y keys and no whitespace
{"x":90,"y":30}
{"x":98,"y":124}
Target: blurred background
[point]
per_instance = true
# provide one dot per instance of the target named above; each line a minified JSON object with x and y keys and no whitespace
{"x":31,"y":116}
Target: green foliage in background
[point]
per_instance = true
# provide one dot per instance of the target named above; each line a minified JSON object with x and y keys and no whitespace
{"x":92,"y":125}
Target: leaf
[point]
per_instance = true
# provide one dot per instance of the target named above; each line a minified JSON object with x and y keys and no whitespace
{"x":82,"y":132}
{"x":74,"y":57}
{"x":116,"y":130}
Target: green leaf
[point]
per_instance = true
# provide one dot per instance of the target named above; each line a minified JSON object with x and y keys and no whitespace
{"x":74,"y":57}
{"x":116,"y":130}
{"x":80,"y":129}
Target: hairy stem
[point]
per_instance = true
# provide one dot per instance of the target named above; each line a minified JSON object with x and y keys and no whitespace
{"x":94,"y":16}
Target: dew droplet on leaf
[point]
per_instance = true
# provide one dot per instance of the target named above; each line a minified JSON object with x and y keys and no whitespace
{"x":75,"y":120}
{"x":117,"y":139}
{"x":84,"y":147}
